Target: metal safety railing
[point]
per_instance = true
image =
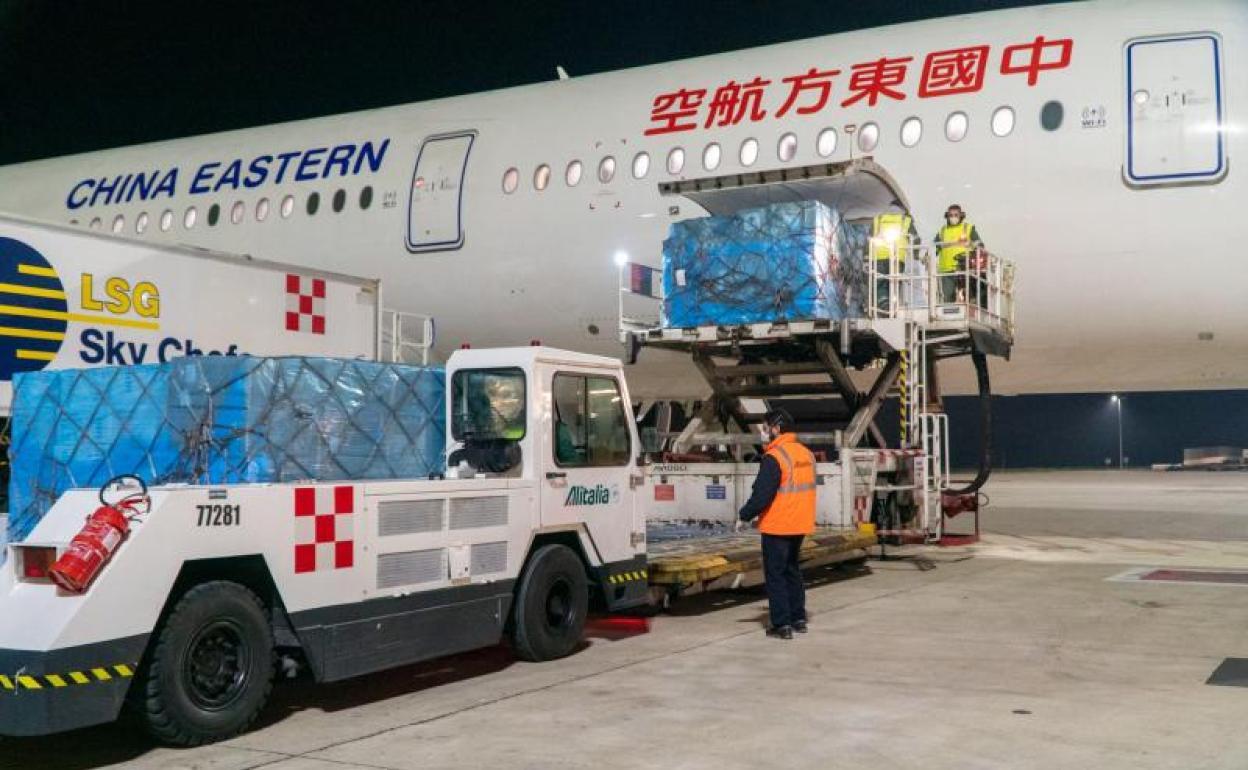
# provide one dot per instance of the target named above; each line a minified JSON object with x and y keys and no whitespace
{"x":406,"y":338}
{"x":909,"y":284}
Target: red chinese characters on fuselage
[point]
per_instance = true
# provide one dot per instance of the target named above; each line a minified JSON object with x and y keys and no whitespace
{"x":943,"y":73}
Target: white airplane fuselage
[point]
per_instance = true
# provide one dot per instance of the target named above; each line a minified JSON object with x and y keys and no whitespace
{"x":1127,"y":274}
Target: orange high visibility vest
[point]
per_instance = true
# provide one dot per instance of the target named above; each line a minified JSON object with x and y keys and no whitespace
{"x":792,"y":511}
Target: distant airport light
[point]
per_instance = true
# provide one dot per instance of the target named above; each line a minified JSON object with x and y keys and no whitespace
{"x":1113,"y":399}
{"x":621,"y":258}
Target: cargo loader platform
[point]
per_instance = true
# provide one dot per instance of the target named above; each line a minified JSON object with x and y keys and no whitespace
{"x":701,"y":563}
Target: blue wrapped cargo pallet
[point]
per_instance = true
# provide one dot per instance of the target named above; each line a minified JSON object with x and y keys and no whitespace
{"x":783,"y":262}
{"x":220,"y":420}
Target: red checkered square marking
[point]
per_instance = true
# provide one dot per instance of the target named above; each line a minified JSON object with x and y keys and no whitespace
{"x":305,"y":304}
{"x":324,"y":528}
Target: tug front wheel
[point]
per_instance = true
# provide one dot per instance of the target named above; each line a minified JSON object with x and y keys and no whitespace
{"x":211,"y":669}
{"x":548,"y":621}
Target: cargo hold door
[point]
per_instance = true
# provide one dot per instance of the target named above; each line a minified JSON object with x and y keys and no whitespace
{"x":435,"y":208}
{"x":1175,"y":130}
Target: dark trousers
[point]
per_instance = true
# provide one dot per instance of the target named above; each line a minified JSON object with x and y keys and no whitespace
{"x":786,"y":596}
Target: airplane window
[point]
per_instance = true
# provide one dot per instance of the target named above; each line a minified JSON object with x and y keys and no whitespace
{"x":119,"y":223}
{"x":1051,"y":115}
{"x":868,"y":137}
{"x":955,"y":126}
{"x":340,"y":200}
{"x":641,"y":165}
{"x":189,"y":218}
{"x":541,"y":177}
{"x":366,"y":196}
{"x":166,"y":220}
{"x":262,"y":209}
{"x":825,"y":145}
{"x":749,"y":152}
{"x":314,"y":202}
{"x":787,"y":147}
{"x":214,"y":214}
{"x":572,"y":174}
{"x":140,"y":224}
{"x":606,"y":169}
{"x":288,"y":205}
{"x":710,"y":156}
{"x":511,"y":180}
{"x":236,"y":212}
{"x":95,"y":223}
{"x":675,"y":160}
{"x":911,"y":132}
{"x":1003,"y":121}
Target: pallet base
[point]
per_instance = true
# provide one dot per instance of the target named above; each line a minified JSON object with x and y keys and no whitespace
{"x":697,"y":561}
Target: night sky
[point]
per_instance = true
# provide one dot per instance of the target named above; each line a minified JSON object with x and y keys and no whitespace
{"x":81,"y":76}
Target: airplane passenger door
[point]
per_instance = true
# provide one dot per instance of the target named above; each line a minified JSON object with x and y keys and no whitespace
{"x":1175,"y":112}
{"x":435,"y":219}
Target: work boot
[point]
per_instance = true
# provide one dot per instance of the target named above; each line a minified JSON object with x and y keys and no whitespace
{"x":781,"y":632}
{"x":800,"y":627}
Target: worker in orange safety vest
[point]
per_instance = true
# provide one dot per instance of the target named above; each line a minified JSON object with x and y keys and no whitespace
{"x":783,"y":501}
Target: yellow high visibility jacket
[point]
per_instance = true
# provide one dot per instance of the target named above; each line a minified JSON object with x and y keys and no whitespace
{"x":949,"y":253}
{"x":792,"y":511}
{"x":889,"y":232}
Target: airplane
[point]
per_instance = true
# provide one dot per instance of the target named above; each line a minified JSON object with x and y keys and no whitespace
{"x":1090,"y":142}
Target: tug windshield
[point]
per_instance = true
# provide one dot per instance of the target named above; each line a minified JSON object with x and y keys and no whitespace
{"x":488,"y":404}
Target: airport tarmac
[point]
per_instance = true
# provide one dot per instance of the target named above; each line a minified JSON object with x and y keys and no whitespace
{"x":1036,"y":648}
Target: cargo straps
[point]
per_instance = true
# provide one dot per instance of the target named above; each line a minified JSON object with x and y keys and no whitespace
{"x":788,"y":463}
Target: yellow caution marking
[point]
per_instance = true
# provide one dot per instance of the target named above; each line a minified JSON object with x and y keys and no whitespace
{"x":31,"y":291}
{"x":61,"y":315}
{"x":35,"y":355}
{"x":68,"y":679}
{"x":30,"y":334}
{"x":42,"y":272}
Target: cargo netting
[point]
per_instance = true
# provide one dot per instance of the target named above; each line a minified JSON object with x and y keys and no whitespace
{"x":782,"y":262}
{"x":220,"y":420}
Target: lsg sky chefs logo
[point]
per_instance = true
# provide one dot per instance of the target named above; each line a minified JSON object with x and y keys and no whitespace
{"x":596,"y":495}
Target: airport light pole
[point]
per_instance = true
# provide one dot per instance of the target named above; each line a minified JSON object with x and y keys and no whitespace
{"x":1116,"y":400}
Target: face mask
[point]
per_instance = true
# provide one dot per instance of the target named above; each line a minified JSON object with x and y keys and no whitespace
{"x":953,"y":219}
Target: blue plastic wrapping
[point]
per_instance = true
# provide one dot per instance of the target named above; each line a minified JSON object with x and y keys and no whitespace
{"x":782,"y":262}
{"x":219,"y":420}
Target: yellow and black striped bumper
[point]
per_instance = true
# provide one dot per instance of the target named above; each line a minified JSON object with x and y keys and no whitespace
{"x":627,"y":577}
{"x":57,"y":690}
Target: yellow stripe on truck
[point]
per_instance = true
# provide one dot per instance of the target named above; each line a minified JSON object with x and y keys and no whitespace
{"x":60,"y":315}
{"x":30,"y":334}
{"x":42,"y":272}
{"x":31,"y":291}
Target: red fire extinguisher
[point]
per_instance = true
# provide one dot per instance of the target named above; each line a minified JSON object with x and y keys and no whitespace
{"x":96,"y":542}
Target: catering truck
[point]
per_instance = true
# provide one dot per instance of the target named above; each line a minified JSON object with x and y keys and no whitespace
{"x":75,"y":298}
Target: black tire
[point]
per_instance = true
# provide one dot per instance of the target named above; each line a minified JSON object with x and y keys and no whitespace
{"x":548,"y":620}
{"x":211,"y":668}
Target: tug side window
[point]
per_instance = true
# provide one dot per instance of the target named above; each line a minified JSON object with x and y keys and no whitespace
{"x":591,"y":428}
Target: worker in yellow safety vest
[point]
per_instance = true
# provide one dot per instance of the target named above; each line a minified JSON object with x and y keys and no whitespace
{"x":892,"y":236}
{"x":956,"y":240}
{"x":783,"y":500}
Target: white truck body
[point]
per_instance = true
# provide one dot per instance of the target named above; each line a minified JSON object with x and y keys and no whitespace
{"x":72,"y":298}
{"x":361,"y":575}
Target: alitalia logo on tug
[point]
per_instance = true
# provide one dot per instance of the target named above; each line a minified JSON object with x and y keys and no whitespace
{"x":596,"y":495}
